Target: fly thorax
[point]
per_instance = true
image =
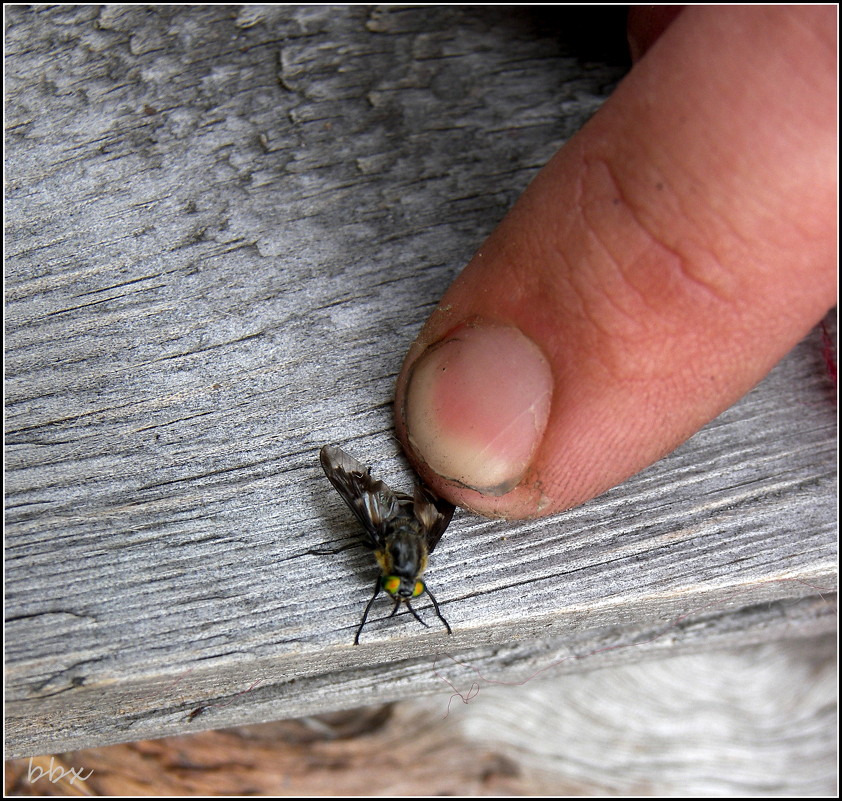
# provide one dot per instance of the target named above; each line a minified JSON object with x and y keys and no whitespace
{"x":406,"y":549}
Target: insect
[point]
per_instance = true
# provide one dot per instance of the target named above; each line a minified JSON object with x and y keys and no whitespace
{"x":401,"y":530}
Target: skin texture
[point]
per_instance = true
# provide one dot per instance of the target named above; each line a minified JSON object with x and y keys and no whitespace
{"x":667,"y":257}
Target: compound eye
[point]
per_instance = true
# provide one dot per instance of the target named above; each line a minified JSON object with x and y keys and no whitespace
{"x":418,"y":589}
{"x":391,"y":584}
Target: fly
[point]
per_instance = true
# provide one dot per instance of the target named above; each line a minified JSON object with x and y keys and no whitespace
{"x":401,"y":530}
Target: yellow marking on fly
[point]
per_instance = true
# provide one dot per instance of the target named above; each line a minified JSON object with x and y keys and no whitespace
{"x":384,"y":559}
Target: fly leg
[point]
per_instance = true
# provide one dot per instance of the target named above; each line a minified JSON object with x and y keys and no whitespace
{"x":438,"y":612}
{"x":415,"y":615}
{"x":365,"y":614}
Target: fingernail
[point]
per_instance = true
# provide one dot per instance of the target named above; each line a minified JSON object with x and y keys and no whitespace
{"x":476,"y":406}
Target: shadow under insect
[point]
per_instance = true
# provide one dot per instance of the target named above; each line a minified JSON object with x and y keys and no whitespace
{"x":401,"y":530}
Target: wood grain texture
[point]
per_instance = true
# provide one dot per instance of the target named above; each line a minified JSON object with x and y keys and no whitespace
{"x":743,"y":722}
{"x":224,"y":228}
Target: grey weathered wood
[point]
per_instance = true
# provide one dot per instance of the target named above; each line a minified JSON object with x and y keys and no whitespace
{"x":224,"y":228}
{"x":743,"y":722}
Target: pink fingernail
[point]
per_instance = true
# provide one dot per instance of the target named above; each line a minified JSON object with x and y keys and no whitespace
{"x":477,"y":405}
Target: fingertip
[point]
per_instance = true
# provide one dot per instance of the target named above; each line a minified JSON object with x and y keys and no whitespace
{"x":476,"y":406}
{"x":658,"y":267}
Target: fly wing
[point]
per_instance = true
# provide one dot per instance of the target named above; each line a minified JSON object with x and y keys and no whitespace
{"x":433,"y":513}
{"x":373,"y":503}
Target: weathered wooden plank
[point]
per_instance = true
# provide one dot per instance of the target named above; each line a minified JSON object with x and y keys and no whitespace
{"x":224,"y":228}
{"x":744,"y":722}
